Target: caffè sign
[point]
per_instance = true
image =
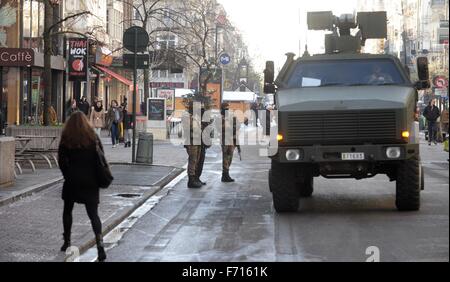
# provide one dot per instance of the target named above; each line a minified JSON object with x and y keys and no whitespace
{"x":16,"y":57}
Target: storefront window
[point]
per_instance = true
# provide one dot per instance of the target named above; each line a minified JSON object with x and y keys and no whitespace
{"x":9,"y":85}
{"x":32,"y":106}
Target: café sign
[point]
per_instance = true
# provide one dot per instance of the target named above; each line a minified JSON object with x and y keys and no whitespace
{"x":16,"y":57}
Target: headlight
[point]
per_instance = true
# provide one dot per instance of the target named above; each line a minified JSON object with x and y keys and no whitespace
{"x":393,"y":152}
{"x":293,"y":155}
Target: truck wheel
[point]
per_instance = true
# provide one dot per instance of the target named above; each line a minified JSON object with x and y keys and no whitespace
{"x":284,"y":189}
{"x":306,"y":187}
{"x":408,"y":185}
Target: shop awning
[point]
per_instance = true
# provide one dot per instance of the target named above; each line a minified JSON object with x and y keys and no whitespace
{"x":115,"y":75}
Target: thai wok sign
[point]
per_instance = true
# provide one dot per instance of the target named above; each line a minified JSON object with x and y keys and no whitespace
{"x":78,"y":64}
{"x":16,"y":57}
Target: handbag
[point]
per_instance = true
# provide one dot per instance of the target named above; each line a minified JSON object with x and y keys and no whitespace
{"x":104,"y":175}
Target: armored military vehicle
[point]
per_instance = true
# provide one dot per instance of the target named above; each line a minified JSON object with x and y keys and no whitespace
{"x":345,"y":114}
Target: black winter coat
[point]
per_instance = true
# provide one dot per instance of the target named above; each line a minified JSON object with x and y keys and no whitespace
{"x":79,"y":171}
{"x":84,"y":107}
{"x":431,"y":114}
{"x":127,"y":120}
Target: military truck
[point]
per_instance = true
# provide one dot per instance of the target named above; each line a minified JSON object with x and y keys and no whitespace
{"x":345,"y":114}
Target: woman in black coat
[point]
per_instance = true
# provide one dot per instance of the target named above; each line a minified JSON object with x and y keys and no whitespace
{"x":77,"y":160}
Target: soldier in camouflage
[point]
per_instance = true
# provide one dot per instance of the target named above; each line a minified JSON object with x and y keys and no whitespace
{"x":192,"y":142}
{"x":203,"y":148}
{"x":229,"y":140}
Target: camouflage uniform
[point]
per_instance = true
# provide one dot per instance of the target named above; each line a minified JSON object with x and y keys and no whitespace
{"x":192,"y":128}
{"x":203,"y":148}
{"x":230,"y":134}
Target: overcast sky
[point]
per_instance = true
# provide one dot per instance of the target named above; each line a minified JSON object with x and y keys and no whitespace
{"x":272,"y":28}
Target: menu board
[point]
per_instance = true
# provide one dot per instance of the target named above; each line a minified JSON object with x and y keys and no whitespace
{"x":156,"y":109}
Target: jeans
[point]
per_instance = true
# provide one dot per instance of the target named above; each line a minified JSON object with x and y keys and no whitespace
{"x":128,"y":133}
{"x":432,"y":132}
{"x":114,"y":133}
{"x":92,"y":211}
{"x":98,"y":130}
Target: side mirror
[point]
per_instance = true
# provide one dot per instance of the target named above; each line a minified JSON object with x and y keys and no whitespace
{"x":269,"y":73}
{"x":423,"y":74}
{"x":422,"y":69}
{"x":422,"y":85}
{"x":269,"y":77}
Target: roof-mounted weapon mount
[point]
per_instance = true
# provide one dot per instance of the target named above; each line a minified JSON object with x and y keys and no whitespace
{"x":370,"y":24}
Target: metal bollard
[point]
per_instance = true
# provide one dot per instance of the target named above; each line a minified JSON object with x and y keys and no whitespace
{"x":144,"y":152}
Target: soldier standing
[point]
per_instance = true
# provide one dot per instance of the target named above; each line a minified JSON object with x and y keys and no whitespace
{"x":229,"y":141}
{"x":192,"y":132}
{"x":203,"y":148}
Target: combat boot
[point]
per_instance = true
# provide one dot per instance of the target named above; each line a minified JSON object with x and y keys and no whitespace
{"x":199,"y":180}
{"x":100,"y":248}
{"x":226,"y":177}
{"x":66,"y":242}
{"x":194,"y":182}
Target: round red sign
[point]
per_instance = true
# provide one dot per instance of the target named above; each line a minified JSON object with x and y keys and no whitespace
{"x":440,"y":81}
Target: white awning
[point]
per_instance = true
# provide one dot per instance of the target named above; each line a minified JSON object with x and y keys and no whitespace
{"x":181,"y":92}
{"x":234,"y":96}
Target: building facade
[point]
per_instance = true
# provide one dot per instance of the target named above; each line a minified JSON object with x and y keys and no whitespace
{"x":21,"y":82}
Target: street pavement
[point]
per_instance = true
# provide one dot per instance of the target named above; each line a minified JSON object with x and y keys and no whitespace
{"x":32,"y":226}
{"x":237,"y":222}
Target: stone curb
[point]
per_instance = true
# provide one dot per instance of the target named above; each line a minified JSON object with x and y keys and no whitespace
{"x":30,"y":191}
{"x":16,"y":196}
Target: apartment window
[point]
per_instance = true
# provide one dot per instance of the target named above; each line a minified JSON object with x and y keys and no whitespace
{"x":167,"y":41}
{"x":33,"y":24}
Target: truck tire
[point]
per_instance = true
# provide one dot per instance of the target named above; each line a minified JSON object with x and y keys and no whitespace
{"x":408,"y":185}
{"x":306,"y":187}
{"x":285,"y":192}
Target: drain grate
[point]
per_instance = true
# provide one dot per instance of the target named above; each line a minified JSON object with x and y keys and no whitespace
{"x":128,"y":195}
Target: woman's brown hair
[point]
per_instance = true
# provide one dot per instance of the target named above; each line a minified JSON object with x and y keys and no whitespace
{"x":78,"y":133}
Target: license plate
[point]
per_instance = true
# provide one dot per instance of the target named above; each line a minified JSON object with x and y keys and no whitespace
{"x":352,"y":156}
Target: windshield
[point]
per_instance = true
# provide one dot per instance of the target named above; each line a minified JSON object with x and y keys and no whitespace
{"x":348,"y":72}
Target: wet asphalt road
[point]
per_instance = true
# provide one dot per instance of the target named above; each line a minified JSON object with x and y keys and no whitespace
{"x":237,"y":222}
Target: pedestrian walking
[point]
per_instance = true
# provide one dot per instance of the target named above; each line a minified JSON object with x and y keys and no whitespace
{"x":192,"y":132}
{"x":431,"y":113}
{"x":127,"y":127}
{"x":230,"y":128}
{"x":255,"y":107}
{"x":113,"y":119}
{"x":77,"y":155}
{"x":97,"y":117}
{"x":73,"y":107}
{"x":84,"y":106}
